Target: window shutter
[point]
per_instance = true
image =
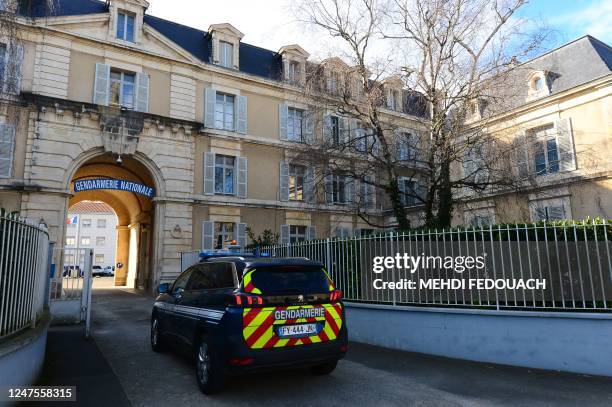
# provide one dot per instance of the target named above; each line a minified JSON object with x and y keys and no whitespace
{"x":241,"y":123}
{"x":309,"y":185}
{"x":329,"y":193}
{"x":7,"y":146}
{"x":142,"y":92}
{"x":350,"y":190}
{"x":102,"y":84}
{"x":370,"y":194}
{"x":284,"y":235}
{"x":308,"y":127}
{"x":284,"y":181}
{"x":521,"y":150}
{"x":209,"y":173}
{"x":343,"y":130}
{"x":210,"y":98}
{"x":283,"y":114}
{"x":565,"y":144}
{"x":327,"y":130}
{"x":208,"y":232}
{"x":242,"y":177}
{"x":311,"y":232}
{"x":241,"y":235}
{"x":401,"y":184}
{"x":12,"y":68}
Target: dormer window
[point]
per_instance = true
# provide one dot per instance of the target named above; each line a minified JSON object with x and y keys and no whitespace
{"x":294,"y":72}
{"x":538,"y":85}
{"x":226,"y":54}
{"x":125,"y":26}
{"x":225,"y":45}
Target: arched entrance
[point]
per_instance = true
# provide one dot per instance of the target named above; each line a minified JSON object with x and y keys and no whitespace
{"x":123,"y":185}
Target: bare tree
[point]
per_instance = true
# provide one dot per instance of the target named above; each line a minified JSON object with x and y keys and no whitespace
{"x":452,"y":59}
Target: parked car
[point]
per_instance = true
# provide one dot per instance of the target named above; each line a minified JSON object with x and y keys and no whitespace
{"x":244,"y":314}
{"x":109,"y":271}
{"x":97,"y":271}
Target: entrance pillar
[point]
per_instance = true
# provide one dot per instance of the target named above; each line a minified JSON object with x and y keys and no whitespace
{"x":122,"y":255}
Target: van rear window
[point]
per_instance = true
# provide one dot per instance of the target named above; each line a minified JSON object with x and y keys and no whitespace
{"x":290,"y":280}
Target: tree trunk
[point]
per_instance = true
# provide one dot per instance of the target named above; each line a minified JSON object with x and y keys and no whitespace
{"x":445,"y":198}
{"x":403,"y":223}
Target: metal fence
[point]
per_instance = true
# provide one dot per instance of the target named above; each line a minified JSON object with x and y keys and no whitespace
{"x":562,"y":266}
{"x":24,"y":248}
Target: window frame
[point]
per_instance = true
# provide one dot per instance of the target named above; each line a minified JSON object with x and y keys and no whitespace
{"x":219,"y":232}
{"x":224,"y":111}
{"x":10,"y":158}
{"x":296,"y":235}
{"x":339,"y":189}
{"x":85,"y":239}
{"x":544,"y":137}
{"x":224,"y":56}
{"x":295,"y":173}
{"x":334,"y":129}
{"x":122,"y":84}
{"x":127,"y":16}
{"x":224,"y":166}
{"x":85,"y":223}
{"x":102,"y":239}
{"x":97,"y":257}
{"x":295,"y":124}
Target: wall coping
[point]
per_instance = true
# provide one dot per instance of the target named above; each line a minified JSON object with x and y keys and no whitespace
{"x":484,"y":312}
{"x":25,"y":337}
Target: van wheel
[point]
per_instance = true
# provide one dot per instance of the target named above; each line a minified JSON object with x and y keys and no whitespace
{"x":208,"y":373}
{"x":157,"y":341}
{"x":325,"y":368}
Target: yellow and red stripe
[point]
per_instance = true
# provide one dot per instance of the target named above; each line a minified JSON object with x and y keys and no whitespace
{"x":258,"y":326}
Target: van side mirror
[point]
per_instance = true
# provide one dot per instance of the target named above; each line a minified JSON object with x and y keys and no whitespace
{"x":163,"y":288}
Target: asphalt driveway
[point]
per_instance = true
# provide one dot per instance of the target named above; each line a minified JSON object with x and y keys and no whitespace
{"x":369,"y":376}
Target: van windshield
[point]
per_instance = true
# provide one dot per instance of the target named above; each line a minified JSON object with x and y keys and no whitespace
{"x":290,"y":280}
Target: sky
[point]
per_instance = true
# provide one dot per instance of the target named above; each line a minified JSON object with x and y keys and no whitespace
{"x":271,"y":23}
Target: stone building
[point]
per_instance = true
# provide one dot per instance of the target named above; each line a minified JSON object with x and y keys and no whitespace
{"x":189,"y":135}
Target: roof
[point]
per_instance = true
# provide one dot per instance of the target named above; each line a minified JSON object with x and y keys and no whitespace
{"x":266,"y":262}
{"x":253,"y":60}
{"x":91,"y":207}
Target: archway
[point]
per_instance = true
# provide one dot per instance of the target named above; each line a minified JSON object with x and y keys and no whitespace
{"x":124,"y":186}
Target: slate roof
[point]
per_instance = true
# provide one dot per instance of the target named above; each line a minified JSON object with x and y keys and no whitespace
{"x":575,"y":63}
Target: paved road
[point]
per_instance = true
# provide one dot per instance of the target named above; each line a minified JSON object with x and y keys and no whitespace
{"x":369,"y":376}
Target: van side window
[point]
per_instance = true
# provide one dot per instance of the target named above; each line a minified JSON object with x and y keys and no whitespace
{"x":181,"y":281}
{"x":212,"y":276}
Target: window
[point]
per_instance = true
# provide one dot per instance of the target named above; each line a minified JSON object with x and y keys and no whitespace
{"x":86,"y":223}
{"x":100,"y":241}
{"x":537,"y":83}
{"x":335,"y":129}
{"x":408,"y":188}
{"x":338,"y":189}
{"x":101,"y":223}
{"x":226,"y":54}
{"x":366,"y":232}
{"x":295,"y":120}
{"x":546,"y":154}
{"x":125,"y":26}
{"x":405,"y":148}
{"x":7,"y":145}
{"x":224,"y":112}
{"x":70,"y":240}
{"x":393,"y":102}
{"x":181,"y":282}
{"x":332,"y":83}
{"x":549,"y":212}
{"x":212,"y":276}
{"x":99,"y":259}
{"x":480,"y":220}
{"x":224,"y":234}
{"x":122,"y":87}
{"x":294,"y":72}
{"x":224,"y":174}
{"x":85,"y":241}
{"x":297,"y":233}
{"x":69,"y":259}
{"x":297,"y":175}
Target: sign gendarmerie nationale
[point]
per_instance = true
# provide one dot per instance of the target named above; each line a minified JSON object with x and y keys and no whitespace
{"x":116,"y":184}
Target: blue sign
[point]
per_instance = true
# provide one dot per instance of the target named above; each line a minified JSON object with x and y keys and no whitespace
{"x":116,"y":184}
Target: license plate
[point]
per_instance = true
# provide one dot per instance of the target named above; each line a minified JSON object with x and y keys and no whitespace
{"x":292,"y":331}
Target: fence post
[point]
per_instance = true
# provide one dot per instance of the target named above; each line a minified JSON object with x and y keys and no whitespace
{"x":328,"y":263}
